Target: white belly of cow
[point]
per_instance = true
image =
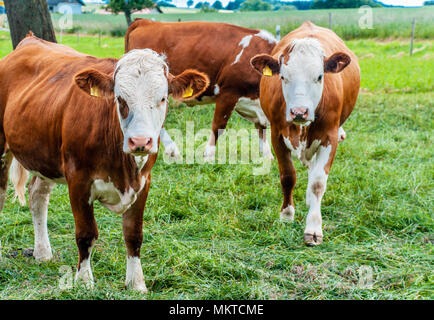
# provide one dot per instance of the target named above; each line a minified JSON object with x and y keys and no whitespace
{"x":252,"y":111}
{"x":112,"y":198}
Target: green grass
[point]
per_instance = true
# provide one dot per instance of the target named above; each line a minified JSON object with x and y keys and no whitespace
{"x":213,"y":231}
{"x":387,"y":22}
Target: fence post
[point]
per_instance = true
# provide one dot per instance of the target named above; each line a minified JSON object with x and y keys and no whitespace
{"x":278,"y":32}
{"x":78,"y":36}
{"x":99,"y":38}
{"x":413,"y":23}
{"x":330,"y":20}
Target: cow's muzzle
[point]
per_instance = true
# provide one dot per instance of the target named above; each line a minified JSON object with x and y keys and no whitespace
{"x":299,"y":114}
{"x":140,"y":145}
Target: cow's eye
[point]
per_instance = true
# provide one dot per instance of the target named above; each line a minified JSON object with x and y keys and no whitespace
{"x":163,"y":100}
{"x":281,"y":77}
{"x":319,"y":78}
{"x":123,"y":108}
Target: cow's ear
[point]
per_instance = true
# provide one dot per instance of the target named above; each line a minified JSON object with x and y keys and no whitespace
{"x":95,"y":83}
{"x":187,"y":85}
{"x":265,"y":64}
{"x":336,"y":62}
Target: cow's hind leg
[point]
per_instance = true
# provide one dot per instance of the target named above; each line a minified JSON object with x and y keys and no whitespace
{"x":39,"y":197}
{"x":4,"y":172}
{"x":264,"y":147}
{"x":225,"y":104}
{"x":133,"y":237}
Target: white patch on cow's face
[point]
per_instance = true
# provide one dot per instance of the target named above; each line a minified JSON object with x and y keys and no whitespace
{"x":303,"y":77}
{"x":216,"y":90}
{"x":141,"y":81}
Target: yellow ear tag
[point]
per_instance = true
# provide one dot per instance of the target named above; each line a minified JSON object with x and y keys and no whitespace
{"x":94,"y":92}
{"x":188,"y":92}
{"x":267,"y":71}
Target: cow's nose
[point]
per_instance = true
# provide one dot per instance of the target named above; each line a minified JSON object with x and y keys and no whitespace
{"x":140,"y":144}
{"x":299,"y":114}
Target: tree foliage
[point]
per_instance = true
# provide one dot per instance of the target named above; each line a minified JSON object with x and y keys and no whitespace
{"x":255,"y":5}
{"x":217,"y":5}
{"x":234,"y":5}
{"x":128,"y":7}
{"x":339,"y":4}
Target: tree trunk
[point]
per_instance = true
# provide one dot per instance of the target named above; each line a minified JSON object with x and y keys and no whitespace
{"x":128,"y":16}
{"x":29,"y":15}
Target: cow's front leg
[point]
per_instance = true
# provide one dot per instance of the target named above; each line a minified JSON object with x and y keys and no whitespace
{"x":133,"y":237}
{"x":39,"y":196}
{"x":86,"y":231}
{"x":225,"y":104}
{"x":287,"y":176}
{"x":319,"y":167}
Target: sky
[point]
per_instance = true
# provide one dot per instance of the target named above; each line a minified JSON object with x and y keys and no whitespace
{"x":408,"y":3}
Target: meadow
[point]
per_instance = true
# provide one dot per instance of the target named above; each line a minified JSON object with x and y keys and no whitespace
{"x":387,"y":22}
{"x":213,"y":231}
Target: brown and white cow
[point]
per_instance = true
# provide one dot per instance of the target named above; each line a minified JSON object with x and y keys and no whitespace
{"x":221,"y":51}
{"x":93,"y":124}
{"x":310,"y":88}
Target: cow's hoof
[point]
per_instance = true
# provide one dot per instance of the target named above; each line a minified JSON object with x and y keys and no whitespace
{"x":84,"y":277}
{"x":139,"y":288}
{"x":312,"y":239}
{"x":42,"y":254}
{"x":287,"y":214}
{"x":209,"y":154}
{"x":172,"y":151}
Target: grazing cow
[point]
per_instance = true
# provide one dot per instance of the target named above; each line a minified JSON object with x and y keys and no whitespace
{"x":93,"y":124}
{"x":309,"y":89}
{"x":223,"y":52}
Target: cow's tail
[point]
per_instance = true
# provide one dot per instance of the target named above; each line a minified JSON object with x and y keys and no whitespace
{"x":19,"y":177}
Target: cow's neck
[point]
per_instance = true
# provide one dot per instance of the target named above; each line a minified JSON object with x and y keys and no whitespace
{"x":129,"y":169}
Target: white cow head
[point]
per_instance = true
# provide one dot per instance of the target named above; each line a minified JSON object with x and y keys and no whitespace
{"x":140,"y":86}
{"x":301,"y":68}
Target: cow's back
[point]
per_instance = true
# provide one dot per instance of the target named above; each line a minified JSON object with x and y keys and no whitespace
{"x":212,"y":48}
{"x":349,"y":78}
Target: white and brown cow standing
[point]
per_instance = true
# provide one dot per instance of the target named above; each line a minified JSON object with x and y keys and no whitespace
{"x":93,"y":124}
{"x":221,"y":51}
{"x":310,"y":88}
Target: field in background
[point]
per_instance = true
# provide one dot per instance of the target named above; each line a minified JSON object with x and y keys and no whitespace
{"x":213,"y":231}
{"x":387,"y":22}
{"x":386,"y":65}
